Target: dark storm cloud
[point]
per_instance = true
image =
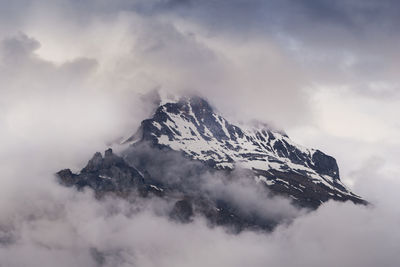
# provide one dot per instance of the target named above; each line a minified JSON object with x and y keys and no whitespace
{"x":328,"y":23}
{"x":238,"y":14}
{"x":353,"y":15}
{"x":339,"y":41}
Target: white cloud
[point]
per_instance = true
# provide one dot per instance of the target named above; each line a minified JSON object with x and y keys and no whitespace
{"x":71,"y":84}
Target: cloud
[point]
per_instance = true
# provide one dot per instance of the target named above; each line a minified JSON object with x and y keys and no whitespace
{"x":72,"y":75}
{"x":337,"y":43}
{"x":46,"y":105}
{"x":67,"y":227}
{"x":279,"y":51}
{"x":238,"y":190}
{"x":144,"y":50}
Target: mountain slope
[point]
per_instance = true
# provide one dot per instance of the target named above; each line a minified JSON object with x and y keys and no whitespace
{"x":191,"y":126}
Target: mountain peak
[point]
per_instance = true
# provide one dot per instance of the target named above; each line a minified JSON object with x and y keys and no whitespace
{"x":186,"y":138}
{"x":191,"y":126}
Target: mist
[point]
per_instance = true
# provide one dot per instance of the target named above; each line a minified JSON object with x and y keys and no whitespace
{"x":76,"y":79}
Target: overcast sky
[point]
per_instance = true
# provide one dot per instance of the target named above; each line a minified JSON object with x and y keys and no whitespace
{"x":73,"y":74}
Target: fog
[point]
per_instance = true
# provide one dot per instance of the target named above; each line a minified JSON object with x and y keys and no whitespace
{"x":75,"y":75}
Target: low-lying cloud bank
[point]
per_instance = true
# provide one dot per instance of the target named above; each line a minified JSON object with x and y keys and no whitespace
{"x":46,"y":225}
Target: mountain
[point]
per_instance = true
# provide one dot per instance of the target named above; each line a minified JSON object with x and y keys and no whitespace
{"x":190,"y":125}
{"x":185,"y":140}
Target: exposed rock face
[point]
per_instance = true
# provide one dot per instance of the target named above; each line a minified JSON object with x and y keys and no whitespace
{"x":186,"y":139}
{"x":191,"y":126}
{"x":110,"y":174}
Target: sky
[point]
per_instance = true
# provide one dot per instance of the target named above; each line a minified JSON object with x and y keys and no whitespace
{"x":74,"y":79}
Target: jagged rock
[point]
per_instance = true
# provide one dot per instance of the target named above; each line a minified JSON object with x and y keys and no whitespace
{"x":94,"y":163}
{"x":67,"y":177}
{"x":109,"y":174}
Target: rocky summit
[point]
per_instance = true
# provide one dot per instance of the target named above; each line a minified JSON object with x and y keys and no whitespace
{"x":185,"y":140}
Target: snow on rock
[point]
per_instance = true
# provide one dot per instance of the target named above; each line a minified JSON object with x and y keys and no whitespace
{"x":190,"y":125}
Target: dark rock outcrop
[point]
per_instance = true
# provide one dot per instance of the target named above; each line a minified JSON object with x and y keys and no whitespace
{"x":109,"y":174}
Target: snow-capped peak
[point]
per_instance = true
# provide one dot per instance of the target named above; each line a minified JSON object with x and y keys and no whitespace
{"x":190,"y":125}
